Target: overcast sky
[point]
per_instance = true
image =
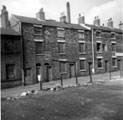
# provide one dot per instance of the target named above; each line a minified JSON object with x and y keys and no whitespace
{"x":53,"y":9}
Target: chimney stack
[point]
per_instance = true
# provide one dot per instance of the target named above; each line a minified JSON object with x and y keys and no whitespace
{"x":40,"y":15}
{"x":68,"y":12}
{"x":63,"y":17}
{"x":121,"y":25}
{"x":81,"y":19}
{"x":110,"y":23}
{"x":4,"y":18}
{"x":97,"y":21}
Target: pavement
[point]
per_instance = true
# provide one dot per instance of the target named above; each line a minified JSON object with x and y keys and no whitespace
{"x":16,"y":91}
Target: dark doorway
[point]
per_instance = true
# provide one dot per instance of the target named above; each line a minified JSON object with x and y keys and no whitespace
{"x":90,"y":70}
{"x":72,"y":70}
{"x":119,"y":64}
{"x":48,"y":73}
{"x":106,"y":65}
{"x":38,"y":71}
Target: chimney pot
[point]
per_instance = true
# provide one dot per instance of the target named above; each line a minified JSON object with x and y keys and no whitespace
{"x":110,"y":23}
{"x":81,"y":19}
{"x":40,"y":15}
{"x":4,"y":18}
{"x":97,"y":21}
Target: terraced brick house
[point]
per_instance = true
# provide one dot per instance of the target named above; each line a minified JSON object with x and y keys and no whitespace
{"x":11,"y":65}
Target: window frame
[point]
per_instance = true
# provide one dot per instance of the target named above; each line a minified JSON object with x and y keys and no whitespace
{"x":61,"y":30}
{"x":113,"y":42}
{"x":41,"y":31}
{"x":100,"y":57}
{"x":99,"y":42}
{"x":82,"y":34}
{"x":14,"y":75}
{"x":85,"y":62}
{"x":63,"y":47}
{"x":114,"y":57}
{"x":61,"y":62}
{"x":39,"y":41}
{"x":82,"y":49}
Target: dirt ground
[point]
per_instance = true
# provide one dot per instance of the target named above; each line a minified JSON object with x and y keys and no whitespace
{"x":94,"y":102}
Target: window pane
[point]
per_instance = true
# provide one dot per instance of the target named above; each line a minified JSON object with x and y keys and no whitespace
{"x":82,"y":64}
{"x":82,"y":47}
{"x":114,"y":62}
{"x":61,"y":47}
{"x":113,"y":47}
{"x":38,"y":30}
{"x":60,"y":33}
{"x":81,"y":35}
{"x":39,"y":47}
{"x":99,"y":63}
{"x":98,"y":34}
{"x":10,"y":71}
{"x":99,"y":47}
{"x":62,"y":67}
{"x":9,"y":46}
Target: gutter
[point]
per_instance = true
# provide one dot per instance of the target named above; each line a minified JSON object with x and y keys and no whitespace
{"x":93,"y":69}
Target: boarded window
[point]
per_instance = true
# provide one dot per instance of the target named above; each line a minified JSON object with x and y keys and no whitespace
{"x":61,"y":47}
{"x":39,"y":47}
{"x":81,"y":35}
{"x":82,"y":47}
{"x":99,"y":47}
{"x":82,"y":64}
{"x":62,"y":67}
{"x":61,"y":33}
{"x":114,"y":62}
{"x":10,"y":71}
{"x":99,"y":62}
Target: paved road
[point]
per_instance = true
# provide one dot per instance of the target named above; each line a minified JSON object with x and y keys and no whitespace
{"x":81,"y":80}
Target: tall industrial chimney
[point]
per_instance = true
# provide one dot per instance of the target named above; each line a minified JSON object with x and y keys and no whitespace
{"x":68,"y":12}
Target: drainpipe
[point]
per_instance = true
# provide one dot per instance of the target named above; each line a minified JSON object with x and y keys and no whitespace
{"x":93,"y":69}
{"x":22,"y":57}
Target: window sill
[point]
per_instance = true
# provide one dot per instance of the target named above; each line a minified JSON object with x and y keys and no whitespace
{"x":112,"y":38}
{"x":99,"y":52}
{"x":83,"y":70}
{"x":40,"y":54}
{"x":98,"y":37}
{"x":82,"y":53}
{"x":114,"y":66}
{"x":63,"y":73}
{"x":38,"y":34}
{"x":100,"y":68}
{"x":62,"y":53}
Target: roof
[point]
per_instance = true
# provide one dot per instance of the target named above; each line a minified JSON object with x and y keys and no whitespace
{"x":49,"y":22}
{"x":8,"y":31}
{"x":104,"y":28}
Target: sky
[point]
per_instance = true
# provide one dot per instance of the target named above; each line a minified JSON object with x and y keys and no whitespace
{"x":105,"y":9}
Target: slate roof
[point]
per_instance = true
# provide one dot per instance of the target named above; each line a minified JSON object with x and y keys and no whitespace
{"x":104,"y":28}
{"x":8,"y":31}
{"x":49,"y":22}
